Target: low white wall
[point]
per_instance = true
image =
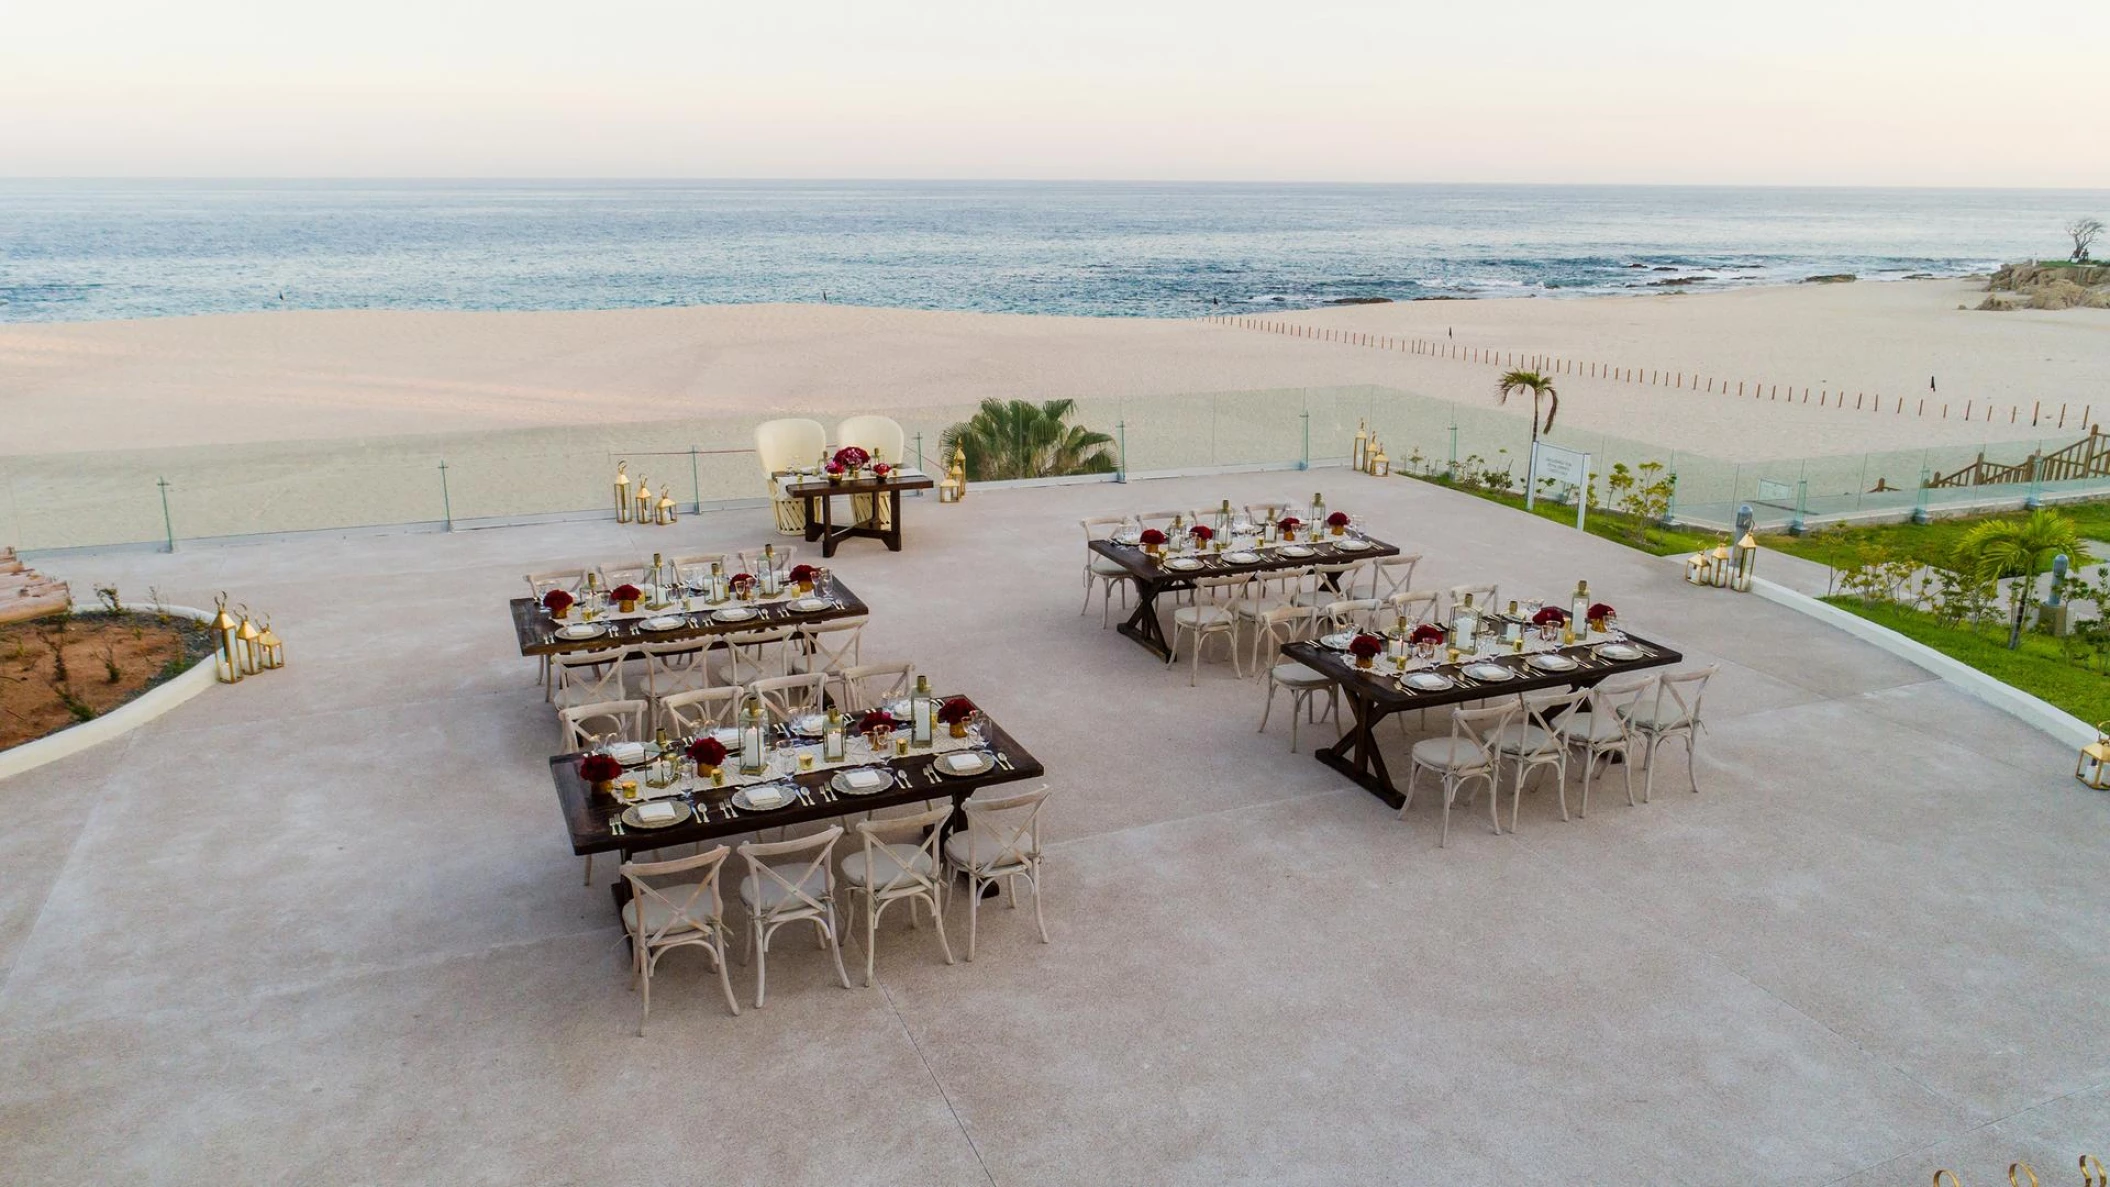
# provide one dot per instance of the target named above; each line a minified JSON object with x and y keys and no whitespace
{"x":126,"y":717}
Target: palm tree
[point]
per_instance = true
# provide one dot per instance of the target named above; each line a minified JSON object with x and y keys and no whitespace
{"x":2019,"y":548}
{"x":1539,"y":386}
{"x":1019,"y":439}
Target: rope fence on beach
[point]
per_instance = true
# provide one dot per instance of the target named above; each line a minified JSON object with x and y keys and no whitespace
{"x":1972,"y":411}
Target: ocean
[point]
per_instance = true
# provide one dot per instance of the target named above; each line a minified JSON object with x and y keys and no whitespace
{"x":96,"y":250}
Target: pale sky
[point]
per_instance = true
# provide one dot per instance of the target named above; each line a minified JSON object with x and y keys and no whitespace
{"x":1870,"y":92}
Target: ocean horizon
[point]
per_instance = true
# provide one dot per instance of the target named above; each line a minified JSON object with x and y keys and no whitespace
{"x":93,"y":250}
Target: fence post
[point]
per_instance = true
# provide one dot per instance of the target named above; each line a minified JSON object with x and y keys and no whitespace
{"x":1120,"y":433}
{"x":1451,"y":471}
{"x":446,"y":500}
{"x":919,"y":459}
{"x":696,"y":481}
{"x":1304,"y":461}
{"x":1919,"y":500}
{"x":167,"y":525}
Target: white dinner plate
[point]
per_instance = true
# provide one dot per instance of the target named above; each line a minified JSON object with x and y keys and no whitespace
{"x":665,"y":622}
{"x":1297,"y":550}
{"x":897,"y":709}
{"x":963,"y":763}
{"x":1552,"y":661}
{"x":1427,"y":681}
{"x":582,"y":630}
{"x":771,"y":797}
{"x":734,"y":614}
{"x":1129,"y":538}
{"x":809,"y":725}
{"x":862,"y":781}
{"x":809,"y":605}
{"x":1185,"y":564}
{"x":1338,"y":641}
{"x":1241,"y":558}
{"x":1351,"y":544}
{"x":1494,"y":673}
{"x":1619,"y":651}
{"x":635,"y":817}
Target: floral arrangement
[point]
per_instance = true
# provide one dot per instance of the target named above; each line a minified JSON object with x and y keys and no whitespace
{"x":882,"y":469}
{"x":557,"y":601}
{"x":742,"y":581}
{"x":956,"y":710}
{"x":1549,"y":616}
{"x":1289,"y":523}
{"x":1338,"y":519}
{"x":707,"y":751}
{"x":1152,"y":537}
{"x":1202,"y":532}
{"x":626,"y":592}
{"x":834,"y":469}
{"x":803,"y":574}
{"x":877,"y":719}
{"x":600,"y":768}
{"x":1598,"y":612}
{"x":849,"y":457}
{"x":1427,"y":633}
{"x":1365,"y":646}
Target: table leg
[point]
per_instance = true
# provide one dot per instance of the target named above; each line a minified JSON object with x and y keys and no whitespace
{"x":893,"y":532}
{"x":1356,"y":755}
{"x":1142,"y":626}
{"x":813,"y":518}
{"x":828,"y":540}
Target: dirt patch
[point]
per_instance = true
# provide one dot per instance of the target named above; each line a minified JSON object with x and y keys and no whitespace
{"x":56,"y":672}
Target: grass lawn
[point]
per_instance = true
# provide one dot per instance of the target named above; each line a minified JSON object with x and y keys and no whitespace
{"x":2037,"y":667}
{"x":1933,"y":543}
{"x":1611,"y":525}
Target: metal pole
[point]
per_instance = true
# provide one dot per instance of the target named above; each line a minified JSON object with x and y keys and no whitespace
{"x":1121,"y":433}
{"x":168,"y":525}
{"x":919,"y":459}
{"x":1450,"y":471}
{"x":695,"y":480}
{"x":446,"y":500}
{"x":1305,"y":462}
{"x":1582,"y":499}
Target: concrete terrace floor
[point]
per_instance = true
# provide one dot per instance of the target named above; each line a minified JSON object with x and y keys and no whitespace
{"x":324,"y":927}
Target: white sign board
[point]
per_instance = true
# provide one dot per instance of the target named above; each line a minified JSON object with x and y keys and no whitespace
{"x":1565,"y":467}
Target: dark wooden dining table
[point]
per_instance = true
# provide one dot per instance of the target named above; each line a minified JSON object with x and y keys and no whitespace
{"x":817,"y":492}
{"x":593,"y":824}
{"x":537,"y":631}
{"x":1373,"y":696}
{"x":1151,"y":578}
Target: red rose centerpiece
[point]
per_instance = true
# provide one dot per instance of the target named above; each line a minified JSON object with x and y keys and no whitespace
{"x":852,"y":458}
{"x":877,"y":719}
{"x":881,"y":469}
{"x":1151,"y":540}
{"x":601,"y":770}
{"x":1600,"y":616}
{"x":1338,"y":521}
{"x":1288,"y":526}
{"x":708,"y":753}
{"x":557,"y":602}
{"x":1202,"y":533}
{"x":743,"y":584}
{"x":1365,"y":648}
{"x":956,"y":713}
{"x":1426,"y":637}
{"x":802,"y":576}
{"x":625,"y":596}
{"x":1549,"y":620}
{"x":834,"y":470}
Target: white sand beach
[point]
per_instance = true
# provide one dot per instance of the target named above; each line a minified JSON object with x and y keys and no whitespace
{"x":68,"y":387}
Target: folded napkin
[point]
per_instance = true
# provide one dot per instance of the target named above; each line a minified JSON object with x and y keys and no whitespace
{"x":962,"y":761}
{"x":863,"y":778}
{"x":658,"y":813}
{"x":765,"y":797}
{"x":627,"y":753}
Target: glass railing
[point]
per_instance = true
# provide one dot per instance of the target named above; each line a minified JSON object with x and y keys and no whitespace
{"x":85,"y":499}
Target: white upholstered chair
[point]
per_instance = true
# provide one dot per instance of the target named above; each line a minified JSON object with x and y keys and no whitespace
{"x":1277,"y":627}
{"x":883,"y":438}
{"x":1214,"y":615}
{"x":1465,"y":755}
{"x":1001,"y":843}
{"x":675,"y":904}
{"x":899,"y":861}
{"x":781,"y":445}
{"x":790,"y":882}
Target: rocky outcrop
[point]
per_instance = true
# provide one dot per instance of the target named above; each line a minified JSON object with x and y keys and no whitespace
{"x":2048,"y":286}
{"x":1830,"y":278}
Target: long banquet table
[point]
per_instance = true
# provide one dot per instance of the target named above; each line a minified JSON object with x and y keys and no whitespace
{"x":1151,"y":578}
{"x":593,"y":823}
{"x":536,"y":631}
{"x":1374,"y":695}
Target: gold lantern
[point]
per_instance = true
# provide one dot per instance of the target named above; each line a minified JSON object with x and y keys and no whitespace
{"x":1721,"y":565}
{"x":2094,"y":766}
{"x":644,"y":501}
{"x":1696,"y":568}
{"x":622,"y":492}
{"x":949,"y":490}
{"x":1380,"y":465}
{"x":666,"y":508}
{"x":271,"y":653}
{"x":227,"y":645}
{"x":1746,"y":560}
{"x":1361,"y":458}
{"x":246,"y":636}
{"x":958,"y":473}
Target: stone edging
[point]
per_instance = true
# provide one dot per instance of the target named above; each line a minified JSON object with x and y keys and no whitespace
{"x":126,"y":717}
{"x":2029,"y":710}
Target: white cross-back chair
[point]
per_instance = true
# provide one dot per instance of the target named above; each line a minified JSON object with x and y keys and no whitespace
{"x":787,"y":696}
{"x":621,"y":572}
{"x":695,"y":566}
{"x":1674,"y":713}
{"x":799,"y":887}
{"x":1100,"y":571}
{"x":1534,"y":740}
{"x":1465,"y":756}
{"x":1351,"y":614}
{"x":1329,"y":583}
{"x":1600,"y":731}
{"x":834,"y":644}
{"x":571,"y":581}
{"x":1415,"y":606}
{"x":868,"y":686}
{"x":1393,"y":574}
{"x":1483,"y":598}
{"x":588,"y":677}
{"x":751,"y":655}
{"x":675,"y":904}
{"x":585,"y":727}
{"x":1282,"y":626}
{"x":1001,"y":843}
{"x":687,"y":714}
{"x":1214,"y":615}
{"x":781,"y":445}
{"x":751,"y":562}
{"x":674,"y":667}
{"x":899,"y":861}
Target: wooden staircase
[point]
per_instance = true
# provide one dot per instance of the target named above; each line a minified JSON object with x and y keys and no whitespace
{"x":2087,"y":458}
{"x":26,"y":593}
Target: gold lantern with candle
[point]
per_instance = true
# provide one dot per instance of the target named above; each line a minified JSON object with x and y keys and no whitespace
{"x":622,"y":492}
{"x":1721,"y":570}
{"x":1380,"y":465}
{"x":2094,"y":766}
{"x":949,"y":490}
{"x":227,"y":645}
{"x":246,"y":636}
{"x":666,"y":508}
{"x":1361,"y":458}
{"x":644,"y":501}
{"x":1746,"y":560}
{"x":958,"y":473}
{"x":271,"y":653}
